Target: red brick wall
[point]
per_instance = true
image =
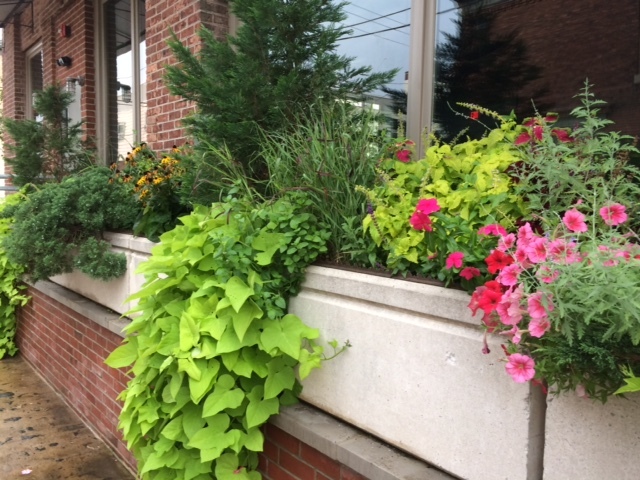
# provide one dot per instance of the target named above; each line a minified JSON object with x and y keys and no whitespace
{"x":185,"y":18}
{"x":287,"y":458}
{"x":69,"y":350}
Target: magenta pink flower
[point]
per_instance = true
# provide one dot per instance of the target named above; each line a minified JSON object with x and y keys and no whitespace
{"x":546,"y":275}
{"x":454,"y":260}
{"x":515,"y":333}
{"x":522,"y":258}
{"x":520,"y":367}
{"x":539,"y":326}
{"x":537,"y":250}
{"x":421,"y":221}
{"x":428,"y":206}
{"x":509,"y":275}
{"x":539,"y":305}
{"x":574,"y":221}
{"x":563,"y":252}
{"x":493,"y":229}
{"x":506,"y":242}
{"x":613,"y":214}
{"x":525,"y":235}
{"x":469,"y":273}
{"x":404,"y":156}
{"x":509,"y":309}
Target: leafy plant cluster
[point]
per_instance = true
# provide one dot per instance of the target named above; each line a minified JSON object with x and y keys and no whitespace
{"x":62,"y":224}
{"x":281,"y":64}
{"x":155,"y":181}
{"x":10,"y":289}
{"x":49,"y":148}
{"x":213,"y":352}
{"x":470,"y":185}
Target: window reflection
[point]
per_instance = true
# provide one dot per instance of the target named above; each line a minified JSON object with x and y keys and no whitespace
{"x":513,"y":54}
{"x":380,"y":39}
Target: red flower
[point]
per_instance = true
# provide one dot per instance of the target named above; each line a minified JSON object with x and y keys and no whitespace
{"x":421,"y":221}
{"x":475,"y":115}
{"x":536,"y":129}
{"x":454,"y":260}
{"x":497,"y":261}
{"x":428,"y":205}
{"x":489,"y":300}
{"x":469,"y":273}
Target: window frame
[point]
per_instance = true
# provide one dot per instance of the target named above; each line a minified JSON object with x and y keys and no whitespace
{"x":29,"y":55}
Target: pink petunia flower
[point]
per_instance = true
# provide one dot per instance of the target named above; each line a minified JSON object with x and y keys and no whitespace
{"x":509,"y":308}
{"x":421,"y":221}
{"x":521,"y":368}
{"x":574,"y":221}
{"x":515,"y":333}
{"x":539,"y":305}
{"x":506,"y":242}
{"x":613,"y":214}
{"x":509,"y":275}
{"x":469,"y":273}
{"x":428,"y":206}
{"x":563,"y":252}
{"x":493,"y":229}
{"x":522,"y":258}
{"x":525,"y":235}
{"x":539,"y":326}
{"x":546,"y":275}
{"x":537,"y":250}
{"x":454,"y":260}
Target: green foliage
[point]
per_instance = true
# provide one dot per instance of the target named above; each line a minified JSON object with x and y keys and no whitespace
{"x":10,"y":289}
{"x":281,"y":64}
{"x":59,"y":226}
{"x":155,"y":184}
{"x":632,"y":382}
{"x":553,"y":175}
{"x":326,"y":156}
{"x":213,"y":352}
{"x":48,"y":149}
{"x":471,"y":183}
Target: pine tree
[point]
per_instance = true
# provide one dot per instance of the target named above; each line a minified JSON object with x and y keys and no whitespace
{"x":50,"y":148}
{"x":281,"y":64}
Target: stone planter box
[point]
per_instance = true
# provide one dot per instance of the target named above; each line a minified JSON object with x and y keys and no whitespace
{"x":415,"y":375}
{"x":114,"y":293}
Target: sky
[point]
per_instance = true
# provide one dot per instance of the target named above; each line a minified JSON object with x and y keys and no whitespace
{"x":381,"y":50}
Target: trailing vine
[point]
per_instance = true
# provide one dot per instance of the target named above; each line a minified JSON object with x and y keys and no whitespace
{"x":10,"y":287}
{"x":213,"y":352}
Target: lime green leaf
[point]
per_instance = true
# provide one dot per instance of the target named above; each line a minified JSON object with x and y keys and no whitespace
{"x":124,"y":355}
{"x":247,"y":313}
{"x":228,"y":468}
{"x":237,"y":292}
{"x":286,"y":334}
{"x":224,"y":396}
{"x":259,"y":410}
{"x":281,"y":377}
{"x":189,"y":332}
{"x":199,"y":388}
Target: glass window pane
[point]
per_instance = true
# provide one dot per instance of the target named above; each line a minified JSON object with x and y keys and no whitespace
{"x":511,"y":55}
{"x":380,"y":39}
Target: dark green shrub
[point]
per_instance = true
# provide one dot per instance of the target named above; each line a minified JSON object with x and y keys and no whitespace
{"x":59,"y":227}
{"x":48,"y":149}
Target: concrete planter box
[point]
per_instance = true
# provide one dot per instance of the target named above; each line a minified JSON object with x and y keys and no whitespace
{"x":415,"y":375}
{"x":114,"y":293}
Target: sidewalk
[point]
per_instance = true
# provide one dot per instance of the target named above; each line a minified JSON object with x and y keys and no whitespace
{"x":40,"y":434}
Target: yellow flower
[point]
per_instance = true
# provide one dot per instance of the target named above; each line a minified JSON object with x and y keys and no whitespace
{"x":142,"y":181}
{"x":158,"y":181}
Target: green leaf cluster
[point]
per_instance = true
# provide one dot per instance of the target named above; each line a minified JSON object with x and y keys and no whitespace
{"x":10,"y":288}
{"x":58,"y":227}
{"x":281,"y":63}
{"x":472,"y":185}
{"x":50,"y":147}
{"x":213,"y":353}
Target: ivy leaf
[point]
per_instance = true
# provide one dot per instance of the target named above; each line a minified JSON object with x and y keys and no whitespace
{"x":247,"y":313}
{"x":124,"y":355}
{"x":224,"y":396}
{"x":281,"y":377}
{"x":189,"y":332}
{"x":259,"y":410}
{"x":228,"y":468}
{"x":199,"y":388}
{"x":286,"y":334}
{"x":237,"y":292}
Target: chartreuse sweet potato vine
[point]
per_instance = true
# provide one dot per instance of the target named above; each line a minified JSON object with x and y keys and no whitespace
{"x":213,"y":353}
